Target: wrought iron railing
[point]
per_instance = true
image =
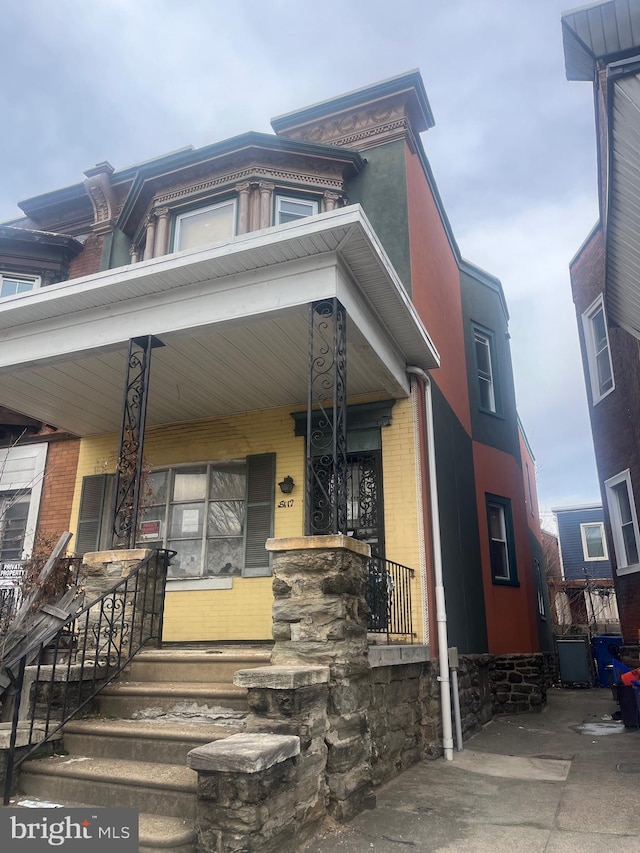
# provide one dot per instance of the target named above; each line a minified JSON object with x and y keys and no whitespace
{"x":83,"y":655}
{"x":388,"y":595}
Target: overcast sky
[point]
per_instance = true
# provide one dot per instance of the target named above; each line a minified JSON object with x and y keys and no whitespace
{"x":513,"y":149}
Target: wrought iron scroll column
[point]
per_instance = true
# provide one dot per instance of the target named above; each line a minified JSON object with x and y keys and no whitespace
{"x":326,"y":480}
{"x":130,"y":452}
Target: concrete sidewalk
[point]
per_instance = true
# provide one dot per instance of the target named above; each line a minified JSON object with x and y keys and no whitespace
{"x":551,"y":782}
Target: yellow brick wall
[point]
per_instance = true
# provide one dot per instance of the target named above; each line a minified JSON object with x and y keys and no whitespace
{"x":400,"y":503}
{"x":244,"y":612}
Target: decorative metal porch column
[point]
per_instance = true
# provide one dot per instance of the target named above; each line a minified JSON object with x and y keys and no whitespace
{"x":130,"y":453}
{"x":326,"y":481}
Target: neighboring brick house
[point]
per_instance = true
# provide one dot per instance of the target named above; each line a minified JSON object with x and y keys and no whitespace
{"x":602,"y":46}
{"x":227,"y":257}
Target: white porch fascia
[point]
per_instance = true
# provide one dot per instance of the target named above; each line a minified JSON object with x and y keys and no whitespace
{"x":261,"y":282}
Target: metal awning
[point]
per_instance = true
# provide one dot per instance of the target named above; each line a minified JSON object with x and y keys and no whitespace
{"x":233,"y":320}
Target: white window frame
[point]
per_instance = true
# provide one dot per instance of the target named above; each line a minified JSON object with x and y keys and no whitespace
{"x":196,"y":211}
{"x":23,"y":468}
{"x":296,"y":200}
{"x":583,"y":537}
{"x":485,"y":339}
{"x":597,"y":394}
{"x":622,"y":567}
{"x":31,"y":279}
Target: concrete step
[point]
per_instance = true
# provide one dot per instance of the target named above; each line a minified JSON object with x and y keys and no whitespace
{"x":193,"y":665}
{"x":157,"y":833}
{"x":143,"y":740}
{"x":124,"y":699}
{"x":160,"y":789}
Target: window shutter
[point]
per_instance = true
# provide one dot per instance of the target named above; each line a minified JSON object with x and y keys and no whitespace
{"x":261,"y":473}
{"x":93,"y":502}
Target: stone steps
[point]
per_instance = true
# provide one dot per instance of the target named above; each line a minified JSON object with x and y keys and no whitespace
{"x":164,"y":789}
{"x":143,"y":740}
{"x":212,"y":664}
{"x":134,"y":754}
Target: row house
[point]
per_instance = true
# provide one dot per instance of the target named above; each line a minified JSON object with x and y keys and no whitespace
{"x":303,"y":351}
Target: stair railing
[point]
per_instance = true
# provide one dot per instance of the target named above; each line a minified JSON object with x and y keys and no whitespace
{"x":82,"y":656}
{"x":388,"y":595}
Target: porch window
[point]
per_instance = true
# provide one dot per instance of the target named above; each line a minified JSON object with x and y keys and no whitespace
{"x":217,"y":516}
{"x":205,"y":226}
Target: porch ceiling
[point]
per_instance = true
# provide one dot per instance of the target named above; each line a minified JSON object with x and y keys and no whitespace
{"x":234,"y":321}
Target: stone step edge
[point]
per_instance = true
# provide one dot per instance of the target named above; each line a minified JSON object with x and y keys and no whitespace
{"x":142,"y":774}
{"x":169,"y":656}
{"x":149,"y":730}
{"x":179,"y":688}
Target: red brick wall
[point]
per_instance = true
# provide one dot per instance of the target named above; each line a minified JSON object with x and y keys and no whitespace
{"x":88,"y":261}
{"x":615,"y":420}
{"x":57,"y":489}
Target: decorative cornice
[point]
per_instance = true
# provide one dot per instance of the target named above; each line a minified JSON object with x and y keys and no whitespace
{"x":99,"y":191}
{"x":254,"y":174}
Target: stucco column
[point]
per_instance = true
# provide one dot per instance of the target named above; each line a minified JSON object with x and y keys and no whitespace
{"x":151,"y":237}
{"x":330,"y":200}
{"x":266,"y":197}
{"x":162,"y":232}
{"x":243,"y":207}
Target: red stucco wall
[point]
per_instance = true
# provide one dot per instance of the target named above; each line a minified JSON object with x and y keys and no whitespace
{"x":510,"y":609}
{"x":435,"y":282}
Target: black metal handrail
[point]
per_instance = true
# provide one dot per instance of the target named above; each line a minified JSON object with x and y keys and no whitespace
{"x":388,"y":595}
{"x":85,"y":654}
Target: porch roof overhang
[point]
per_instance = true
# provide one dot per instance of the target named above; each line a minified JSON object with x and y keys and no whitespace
{"x":234,"y":322}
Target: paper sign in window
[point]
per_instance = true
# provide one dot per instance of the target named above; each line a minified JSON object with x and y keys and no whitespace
{"x":190,"y":521}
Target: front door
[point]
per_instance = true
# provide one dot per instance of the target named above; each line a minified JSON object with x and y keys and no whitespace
{"x":364,"y":499}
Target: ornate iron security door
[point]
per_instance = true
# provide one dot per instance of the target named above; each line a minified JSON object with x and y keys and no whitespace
{"x":364,"y":499}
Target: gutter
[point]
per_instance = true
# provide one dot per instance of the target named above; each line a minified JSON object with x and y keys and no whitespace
{"x":441,"y":610}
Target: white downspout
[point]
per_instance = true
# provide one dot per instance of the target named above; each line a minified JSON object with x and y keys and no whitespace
{"x":441,"y":610}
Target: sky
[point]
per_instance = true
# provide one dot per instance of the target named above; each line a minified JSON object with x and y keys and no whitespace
{"x":512,"y":150}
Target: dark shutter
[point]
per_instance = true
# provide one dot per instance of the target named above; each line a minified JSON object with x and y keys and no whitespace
{"x":261,"y":474}
{"x":93,"y":511}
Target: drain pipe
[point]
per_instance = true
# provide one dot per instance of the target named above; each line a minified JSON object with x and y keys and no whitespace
{"x":441,"y":610}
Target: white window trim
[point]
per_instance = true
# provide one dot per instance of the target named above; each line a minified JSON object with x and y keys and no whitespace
{"x":485,"y":339}
{"x":614,"y":515}
{"x":297,"y":200}
{"x":196,"y":211}
{"x":587,"y":325}
{"x":34,"y":279}
{"x":583,"y":537}
{"x":38,"y":452}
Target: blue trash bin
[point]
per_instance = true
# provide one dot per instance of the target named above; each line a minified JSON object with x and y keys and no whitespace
{"x":605,"y":649}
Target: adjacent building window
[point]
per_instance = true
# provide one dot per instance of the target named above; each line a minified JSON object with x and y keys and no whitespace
{"x":290,"y":209}
{"x":14,"y":511}
{"x":485,"y":370}
{"x":12,"y":285}
{"x":501,"y":540}
{"x":624,"y":523}
{"x":598,"y":353}
{"x":22,"y":470}
{"x":542,"y":610}
{"x":593,"y":543}
{"x":205,"y":226}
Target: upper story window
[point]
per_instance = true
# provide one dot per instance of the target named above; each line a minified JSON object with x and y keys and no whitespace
{"x":290,"y":209}
{"x":484,"y":349}
{"x":624,"y":522}
{"x":593,"y":544}
{"x":501,"y":540}
{"x":596,"y":339}
{"x":205,"y":226}
{"x":12,"y":285}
